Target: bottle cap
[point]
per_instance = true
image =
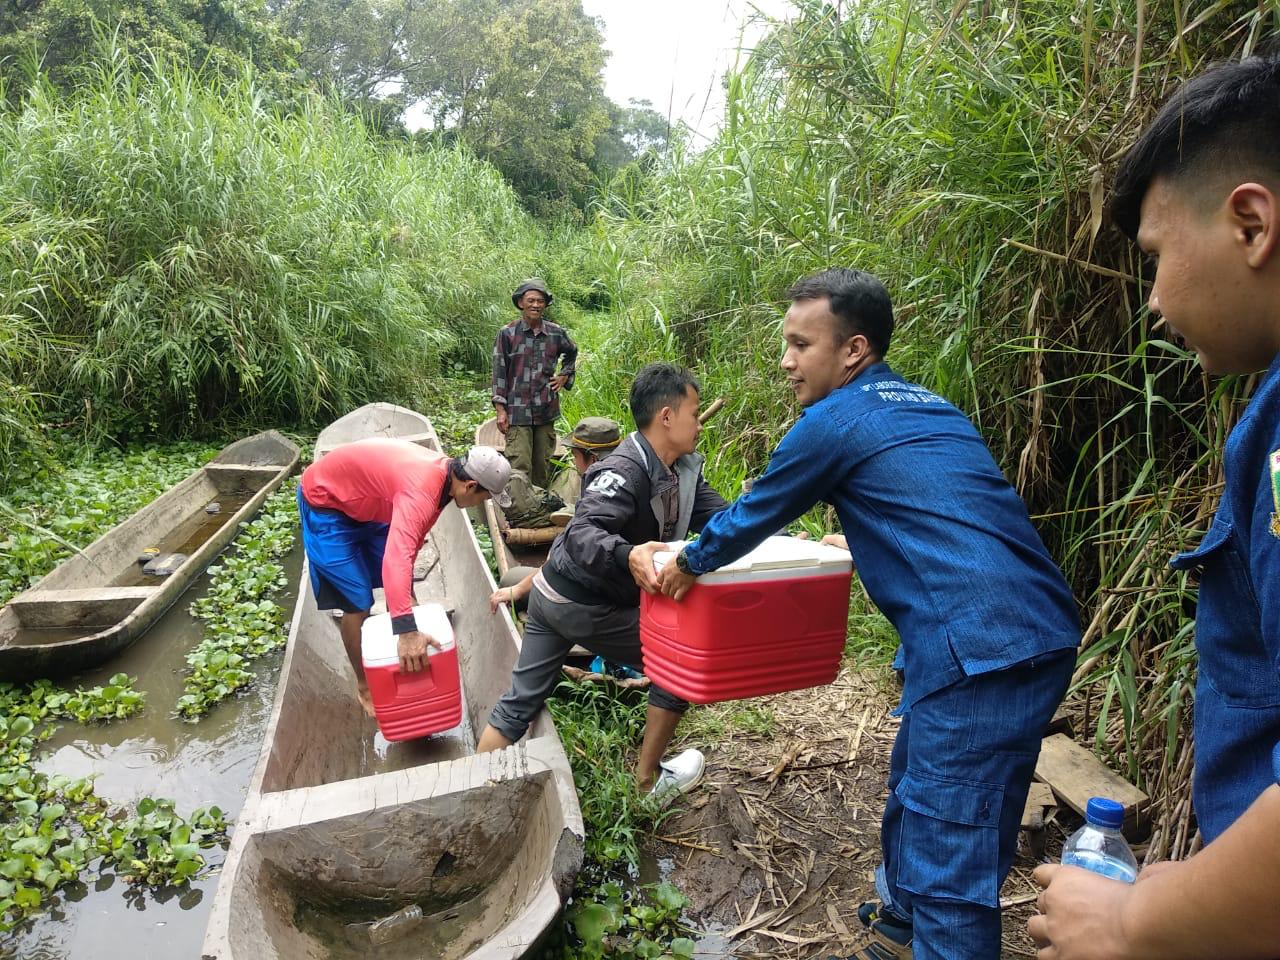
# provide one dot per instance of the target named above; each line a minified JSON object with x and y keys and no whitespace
{"x":1104,"y":812}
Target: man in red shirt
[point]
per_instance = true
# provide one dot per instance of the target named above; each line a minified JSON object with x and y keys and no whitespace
{"x":366,"y":510}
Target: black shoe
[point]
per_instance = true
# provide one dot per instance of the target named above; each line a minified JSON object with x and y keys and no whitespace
{"x":889,"y":935}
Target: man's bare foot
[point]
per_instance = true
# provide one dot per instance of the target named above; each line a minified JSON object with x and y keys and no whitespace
{"x":366,"y":701}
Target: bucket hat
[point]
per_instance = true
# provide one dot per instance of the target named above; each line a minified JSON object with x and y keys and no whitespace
{"x":595,"y":433}
{"x":533,"y":283}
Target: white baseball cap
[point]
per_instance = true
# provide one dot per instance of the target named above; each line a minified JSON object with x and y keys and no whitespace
{"x":487,"y":467}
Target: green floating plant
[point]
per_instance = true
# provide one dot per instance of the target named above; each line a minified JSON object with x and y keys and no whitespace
{"x":242,"y":621}
{"x":54,"y":828}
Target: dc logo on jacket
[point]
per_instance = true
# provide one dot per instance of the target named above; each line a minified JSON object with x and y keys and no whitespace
{"x":607,"y":484}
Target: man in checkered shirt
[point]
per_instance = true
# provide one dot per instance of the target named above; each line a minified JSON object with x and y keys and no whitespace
{"x":526,"y":386}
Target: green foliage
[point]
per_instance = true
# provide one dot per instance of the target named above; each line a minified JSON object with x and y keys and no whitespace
{"x":53,"y":828}
{"x":175,"y":254}
{"x":635,"y":923}
{"x":457,"y":403}
{"x":601,"y":728}
{"x":42,"y":701}
{"x":157,"y":846}
{"x":242,"y":620}
{"x":71,"y":496}
{"x":66,"y":38}
{"x":636,"y":133}
{"x":518,"y":81}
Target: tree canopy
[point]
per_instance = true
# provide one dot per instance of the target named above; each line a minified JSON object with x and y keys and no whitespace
{"x":520,"y":82}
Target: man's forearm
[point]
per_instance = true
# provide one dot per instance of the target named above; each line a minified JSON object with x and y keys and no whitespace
{"x":1223,"y":902}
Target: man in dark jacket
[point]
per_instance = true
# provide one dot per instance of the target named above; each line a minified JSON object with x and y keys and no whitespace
{"x":650,"y":491}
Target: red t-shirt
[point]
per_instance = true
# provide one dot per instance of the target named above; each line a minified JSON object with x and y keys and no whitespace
{"x":384,"y":481}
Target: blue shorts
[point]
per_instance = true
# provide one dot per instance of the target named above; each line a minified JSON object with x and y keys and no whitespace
{"x":344,"y":556}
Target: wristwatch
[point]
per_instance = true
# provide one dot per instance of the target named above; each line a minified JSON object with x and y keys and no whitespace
{"x":682,"y":564}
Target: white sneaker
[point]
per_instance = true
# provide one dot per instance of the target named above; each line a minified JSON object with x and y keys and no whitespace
{"x":678,"y":775}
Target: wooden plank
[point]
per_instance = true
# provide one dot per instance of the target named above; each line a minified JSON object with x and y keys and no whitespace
{"x":1039,"y":797}
{"x":1061,"y":723}
{"x":1075,"y":775}
{"x":79,"y":607}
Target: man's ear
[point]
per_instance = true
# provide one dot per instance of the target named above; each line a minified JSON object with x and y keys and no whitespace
{"x":1255,"y":218}
{"x":855,"y":350}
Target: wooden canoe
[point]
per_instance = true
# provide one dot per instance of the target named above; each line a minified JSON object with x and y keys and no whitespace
{"x":340,"y":828}
{"x":512,"y":554}
{"x":98,"y":601}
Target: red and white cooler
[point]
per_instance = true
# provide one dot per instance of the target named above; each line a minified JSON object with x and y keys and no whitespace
{"x":774,"y":620}
{"x":410,"y":705}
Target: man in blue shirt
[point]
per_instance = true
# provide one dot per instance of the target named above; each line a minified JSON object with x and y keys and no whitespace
{"x":946,"y":550}
{"x":1200,"y":193}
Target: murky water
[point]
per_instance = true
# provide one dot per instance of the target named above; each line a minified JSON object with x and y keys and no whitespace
{"x":710,"y":942}
{"x":351,"y":936}
{"x":197,"y":765}
{"x":187,"y":537}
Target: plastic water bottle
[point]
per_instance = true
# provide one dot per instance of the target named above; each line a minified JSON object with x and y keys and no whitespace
{"x":397,"y":925}
{"x":1099,"y":845}
{"x":619,"y":671}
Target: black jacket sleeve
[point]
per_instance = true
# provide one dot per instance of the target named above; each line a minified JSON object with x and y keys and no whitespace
{"x":593,"y":539}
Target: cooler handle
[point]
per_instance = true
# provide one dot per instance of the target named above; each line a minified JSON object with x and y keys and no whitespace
{"x":412,"y":684}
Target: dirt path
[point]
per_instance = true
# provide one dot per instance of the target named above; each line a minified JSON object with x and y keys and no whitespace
{"x":778,"y":847}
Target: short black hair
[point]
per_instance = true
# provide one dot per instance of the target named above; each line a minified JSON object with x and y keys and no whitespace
{"x":659,"y":385}
{"x":859,"y":301}
{"x":1227,"y":120}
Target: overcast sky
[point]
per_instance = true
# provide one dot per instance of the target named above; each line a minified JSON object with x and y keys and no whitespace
{"x":674,"y":52}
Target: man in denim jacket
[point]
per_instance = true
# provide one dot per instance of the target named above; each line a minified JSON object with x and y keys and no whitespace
{"x":945,"y":548}
{"x":1200,"y":192}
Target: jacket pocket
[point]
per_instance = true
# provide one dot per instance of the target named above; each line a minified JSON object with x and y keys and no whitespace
{"x":949,"y":846}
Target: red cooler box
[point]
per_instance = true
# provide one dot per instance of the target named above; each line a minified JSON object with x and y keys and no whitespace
{"x":773,"y":621}
{"x":412,"y":705}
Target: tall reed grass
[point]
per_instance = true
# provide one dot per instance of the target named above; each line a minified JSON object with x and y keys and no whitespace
{"x":175,"y":251}
{"x":961,"y":152}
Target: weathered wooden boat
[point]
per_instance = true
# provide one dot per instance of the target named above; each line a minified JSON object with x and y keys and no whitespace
{"x":340,"y":828}
{"x":98,"y":601}
{"x":377,"y":420}
{"x":513,"y":546}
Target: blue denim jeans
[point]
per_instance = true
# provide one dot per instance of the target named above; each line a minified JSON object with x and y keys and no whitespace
{"x":958,"y":780}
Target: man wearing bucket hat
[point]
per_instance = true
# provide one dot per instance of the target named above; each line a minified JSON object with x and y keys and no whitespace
{"x":593,"y":439}
{"x":536,"y":507}
{"x":366,"y":509}
{"x":526,"y":386}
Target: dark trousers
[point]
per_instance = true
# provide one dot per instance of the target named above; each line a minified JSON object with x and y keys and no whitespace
{"x":958,"y":780}
{"x":550,"y":633}
{"x":529,"y":450}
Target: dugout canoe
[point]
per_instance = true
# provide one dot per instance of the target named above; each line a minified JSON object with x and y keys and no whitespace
{"x":527,"y":548}
{"x":340,"y":828}
{"x":99,"y":600}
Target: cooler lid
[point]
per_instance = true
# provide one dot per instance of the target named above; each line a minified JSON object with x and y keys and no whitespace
{"x":784,"y":555}
{"x":378,"y":645}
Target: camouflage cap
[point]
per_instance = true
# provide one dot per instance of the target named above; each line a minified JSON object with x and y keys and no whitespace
{"x":533,"y":283}
{"x":595,"y":433}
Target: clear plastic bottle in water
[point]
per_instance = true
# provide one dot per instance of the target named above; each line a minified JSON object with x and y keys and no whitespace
{"x":395,"y":926}
{"x":1099,"y":845}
